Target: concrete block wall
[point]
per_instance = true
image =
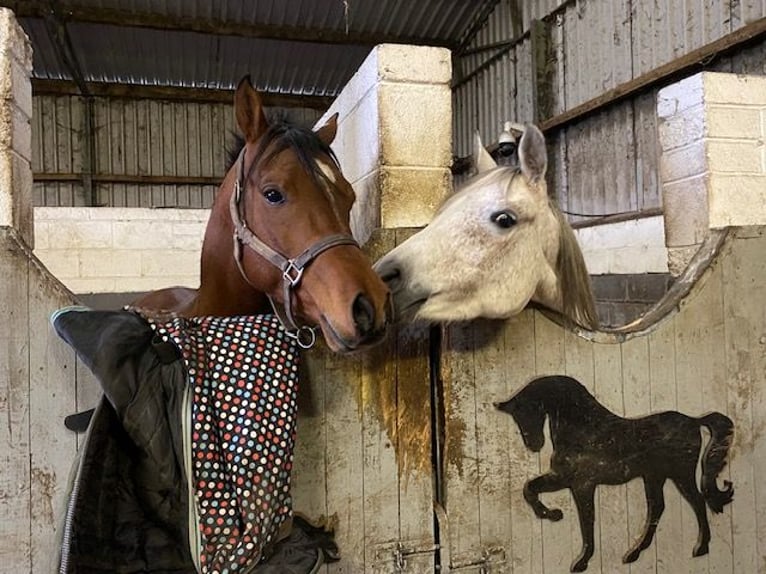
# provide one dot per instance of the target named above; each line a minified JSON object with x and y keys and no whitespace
{"x":15,"y":128}
{"x":626,"y":247}
{"x":712,"y":134}
{"x":395,"y":136}
{"x":120,"y":250}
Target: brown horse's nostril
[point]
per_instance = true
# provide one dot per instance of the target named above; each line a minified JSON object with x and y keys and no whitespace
{"x":364,"y":315}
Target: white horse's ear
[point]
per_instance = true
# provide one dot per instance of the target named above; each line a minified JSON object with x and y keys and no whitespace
{"x":533,"y":157}
{"x":481,"y":158}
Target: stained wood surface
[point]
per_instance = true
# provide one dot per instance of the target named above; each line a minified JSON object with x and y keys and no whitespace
{"x":709,"y":356}
{"x":363,"y":455}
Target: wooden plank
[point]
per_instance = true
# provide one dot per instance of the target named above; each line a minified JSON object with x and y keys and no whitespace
{"x":495,"y":432}
{"x":561,"y":541}
{"x":637,"y":399}
{"x":662,"y":384}
{"x":308,"y":483}
{"x":694,"y":325}
{"x":526,"y":550}
{"x":647,"y":189}
{"x":458,"y":368}
{"x":713,"y":394}
{"x":52,"y":396}
{"x":611,"y":509}
{"x":15,"y":501}
{"x":744,"y":322}
{"x":345,"y":463}
{"x":680,"y":65}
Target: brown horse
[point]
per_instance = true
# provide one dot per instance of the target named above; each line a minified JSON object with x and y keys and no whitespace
{"x":279,"y":233}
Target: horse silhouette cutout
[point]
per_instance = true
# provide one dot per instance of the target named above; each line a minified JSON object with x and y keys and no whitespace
{"x":279,"y":237}
{"x":497,"y":244}
{"x":592,"y":446}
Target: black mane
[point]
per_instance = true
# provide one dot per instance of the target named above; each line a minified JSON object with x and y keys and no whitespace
{"x":280,"y":136}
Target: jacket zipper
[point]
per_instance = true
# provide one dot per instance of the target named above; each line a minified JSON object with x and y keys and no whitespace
{"x":195,"y":541}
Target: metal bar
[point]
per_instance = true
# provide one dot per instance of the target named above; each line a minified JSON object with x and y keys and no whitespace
{"x":175,"y":93}
{"x":617,"y":217}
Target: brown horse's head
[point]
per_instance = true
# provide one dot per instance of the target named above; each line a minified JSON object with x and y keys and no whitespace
{"x":295,"y":201}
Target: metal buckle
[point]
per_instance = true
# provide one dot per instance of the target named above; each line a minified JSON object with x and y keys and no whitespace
{"x":304,"y":336}
{"x":291,"y":268}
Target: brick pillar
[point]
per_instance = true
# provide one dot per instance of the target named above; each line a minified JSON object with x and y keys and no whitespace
{"x":712,"y":132}
{"x":395,"y":136}
{"x":15,"y":128}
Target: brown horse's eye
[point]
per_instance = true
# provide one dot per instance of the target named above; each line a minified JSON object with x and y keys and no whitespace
{"x":504,"y":219}
{"x":273,"y":196}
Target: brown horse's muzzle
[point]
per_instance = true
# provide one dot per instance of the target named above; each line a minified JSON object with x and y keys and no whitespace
{"x":348,"y":301}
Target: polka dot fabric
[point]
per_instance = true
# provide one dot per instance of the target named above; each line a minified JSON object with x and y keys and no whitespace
{"x":244,"y":376}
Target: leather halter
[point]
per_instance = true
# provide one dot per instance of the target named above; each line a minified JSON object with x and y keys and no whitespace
{"x":292,"y":269}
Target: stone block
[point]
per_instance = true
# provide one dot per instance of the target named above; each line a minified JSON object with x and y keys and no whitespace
{"x":685,"y":205}
{"x":188,"y":235}
{"x":409,"y":197}
{"x":109,"y":263}
{"x":143,"y":234}
{"x":597,"y":261}
{"x":162,"y":262}
{"x":365,"y":214}
{"x":357,"y":144}
{"x":733,"y":122}
{"x":415,"y":125}
{"x":62,"y":263}
{"x":734,"y":89}
{"x":744,"y":157}
{"x":682,"y":128}
{"x":737,"y":200}
{"x":680,"y":96}
{"x":413,"y":64}
{"x":684,"y":162}
{"x":64,"y":234}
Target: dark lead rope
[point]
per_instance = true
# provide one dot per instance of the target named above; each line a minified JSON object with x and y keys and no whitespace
{"x":292,"y":269}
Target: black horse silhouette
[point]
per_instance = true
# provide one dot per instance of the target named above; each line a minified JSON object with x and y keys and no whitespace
{"x":592,"y":446}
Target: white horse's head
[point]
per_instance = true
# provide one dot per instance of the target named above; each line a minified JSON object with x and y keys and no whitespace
{"x":495,"y":245}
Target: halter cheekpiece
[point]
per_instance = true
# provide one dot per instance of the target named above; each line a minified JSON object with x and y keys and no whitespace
{"x":292,"y":269}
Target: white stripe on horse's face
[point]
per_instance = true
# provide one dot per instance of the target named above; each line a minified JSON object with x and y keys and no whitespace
{"x":327,"y":170}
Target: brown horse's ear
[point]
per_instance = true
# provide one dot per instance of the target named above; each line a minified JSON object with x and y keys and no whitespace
{"x":249,"y":111}
{"x":327,"y":132}
{"x":481,"y":158}
{"x":533,"y":157}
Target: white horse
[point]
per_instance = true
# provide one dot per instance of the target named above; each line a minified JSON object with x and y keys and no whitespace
{"x":493,"y":247}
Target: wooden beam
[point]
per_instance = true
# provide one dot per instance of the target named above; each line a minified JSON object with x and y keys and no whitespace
{"x":615,"y":218}
{"x":162,"y":21}
{"x":660,"y":75}
{"x":128,"y":179}
{"x":143,"y":92}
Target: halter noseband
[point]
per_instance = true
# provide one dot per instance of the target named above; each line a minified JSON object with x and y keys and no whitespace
{"x":292,"y":269}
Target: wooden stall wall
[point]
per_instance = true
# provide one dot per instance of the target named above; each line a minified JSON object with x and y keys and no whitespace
{"x":561,"y":63}
{"x":363,"y":453}
{"x":708,"y":356}
{"x":42,"y":382}
{"x":146,"y":153}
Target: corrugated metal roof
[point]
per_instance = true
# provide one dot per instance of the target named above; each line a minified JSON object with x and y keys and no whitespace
{"x":298,"y":47}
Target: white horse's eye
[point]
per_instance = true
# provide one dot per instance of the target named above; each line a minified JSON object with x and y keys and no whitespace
{"x":504,"y":219}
